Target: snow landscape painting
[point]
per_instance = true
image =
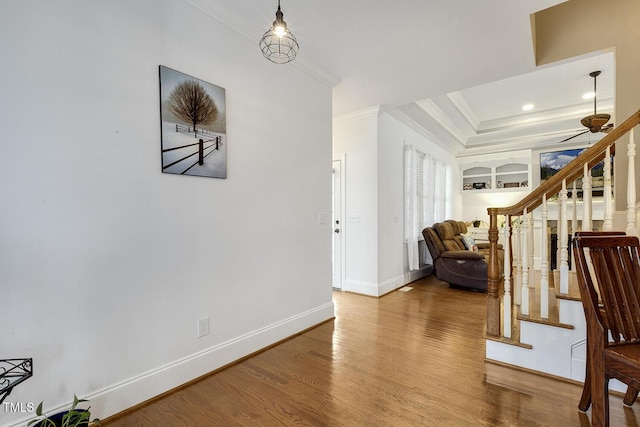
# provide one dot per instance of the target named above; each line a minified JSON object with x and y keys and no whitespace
{"x":193,"y":126}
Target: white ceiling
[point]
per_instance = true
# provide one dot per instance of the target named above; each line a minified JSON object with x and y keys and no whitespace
{"x":459,"y":71}
{"x":489,"y":117}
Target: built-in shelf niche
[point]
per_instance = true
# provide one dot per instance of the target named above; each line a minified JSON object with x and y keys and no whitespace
{"x":498,"y":177}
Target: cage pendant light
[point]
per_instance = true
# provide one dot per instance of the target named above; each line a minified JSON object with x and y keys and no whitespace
{"x":278,"y":44}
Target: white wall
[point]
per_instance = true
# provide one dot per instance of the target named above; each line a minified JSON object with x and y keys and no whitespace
{"x":373,"y":145}
{"x":355,"y":138}
{"x":106,"y":264}
{"x":393,"y":135}
{"x":392,"y":251}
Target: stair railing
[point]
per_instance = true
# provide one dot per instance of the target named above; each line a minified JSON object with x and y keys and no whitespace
{"x":519,"y":235}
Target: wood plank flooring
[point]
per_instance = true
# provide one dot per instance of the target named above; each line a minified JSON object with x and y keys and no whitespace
{"x":406,"y":359}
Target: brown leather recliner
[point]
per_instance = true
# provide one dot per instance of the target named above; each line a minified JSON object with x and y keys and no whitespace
{"x":452,"y":262}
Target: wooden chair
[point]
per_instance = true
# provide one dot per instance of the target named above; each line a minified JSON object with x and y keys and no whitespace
{"x":585,"y":400}
{"x":612,"y":311}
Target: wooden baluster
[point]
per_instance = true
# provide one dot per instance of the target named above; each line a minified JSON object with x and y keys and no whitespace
{"x":493,"y":282}
{"x":564,"y":240}
{"x":587,"y":197}
{"x":544,"y":266}
{"x":558,"y":232}
{"x":524,"y":305}
{"x":507,"y":278}
{"x":517,"y":256}
{"x":574,"y":213}
{"x":608,"y":208}
{"x":631,"y":186}
{"x":530,"y":249}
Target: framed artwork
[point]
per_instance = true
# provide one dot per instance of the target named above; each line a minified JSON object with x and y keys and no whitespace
{"x":552,"y":162}
{"x":192,"y":126}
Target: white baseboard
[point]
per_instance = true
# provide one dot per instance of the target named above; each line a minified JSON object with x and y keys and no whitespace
{"x":390,"y":285}
{"x":119,"y":397}
{"x":379,"y":289}
{"x":372,"y":289}
{"x":412,"y":276}
{"x":365,"y":288}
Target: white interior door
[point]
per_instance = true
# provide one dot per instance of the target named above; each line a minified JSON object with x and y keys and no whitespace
{"x":336,"y":224}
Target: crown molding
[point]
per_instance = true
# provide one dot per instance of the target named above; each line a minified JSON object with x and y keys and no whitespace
{"x":576,"y":111}
{"x":460,"y":102}
{"x":358,"y":114}
{"x":429,"y":107}
{"x":452,"y":145}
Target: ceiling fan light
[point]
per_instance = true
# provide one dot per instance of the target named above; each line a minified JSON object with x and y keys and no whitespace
{"x":595,"y":121}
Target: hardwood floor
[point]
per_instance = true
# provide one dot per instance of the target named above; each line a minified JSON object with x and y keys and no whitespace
{"x":406,"y":359}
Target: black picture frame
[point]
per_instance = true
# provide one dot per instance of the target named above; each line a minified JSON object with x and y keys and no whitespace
{"x":553,"y":161}
{"x":192,"y":125}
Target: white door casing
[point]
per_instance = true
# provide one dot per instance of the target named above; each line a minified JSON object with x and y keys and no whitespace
{"x":337,"y":225}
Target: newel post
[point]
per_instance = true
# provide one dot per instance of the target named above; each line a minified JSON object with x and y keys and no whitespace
{"x":493,"y":285}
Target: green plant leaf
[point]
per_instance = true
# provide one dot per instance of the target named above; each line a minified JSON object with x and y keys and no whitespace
{"x":72,"y":418}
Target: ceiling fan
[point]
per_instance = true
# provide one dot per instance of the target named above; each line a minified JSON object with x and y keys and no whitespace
{"x":594,"y":122}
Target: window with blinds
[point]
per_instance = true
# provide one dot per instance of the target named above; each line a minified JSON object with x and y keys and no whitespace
{"x":421,"y":186}
{"x":427,"y":200}
{"x":433,"y":189}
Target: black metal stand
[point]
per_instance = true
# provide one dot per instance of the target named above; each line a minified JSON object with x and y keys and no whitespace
{"x":12,"y":373}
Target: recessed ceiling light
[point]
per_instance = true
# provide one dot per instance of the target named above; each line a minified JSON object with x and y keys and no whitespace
{"x":588,"y":95}
{"x":527,"y":107}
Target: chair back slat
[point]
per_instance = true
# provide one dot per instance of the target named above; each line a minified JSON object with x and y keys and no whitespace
{"x":632,"y":309}
{"x":614,"y":263}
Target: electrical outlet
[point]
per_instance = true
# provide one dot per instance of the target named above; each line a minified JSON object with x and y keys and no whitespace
{"x":203,"y":327}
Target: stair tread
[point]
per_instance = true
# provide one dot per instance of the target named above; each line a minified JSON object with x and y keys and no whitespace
{"x":574,"y":291}
{"x":534,"y":315}
{"x":509,"y":341}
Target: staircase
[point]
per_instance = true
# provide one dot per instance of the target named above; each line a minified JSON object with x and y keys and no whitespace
{"x":555,"y":345}
{"x":535,"y":319}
